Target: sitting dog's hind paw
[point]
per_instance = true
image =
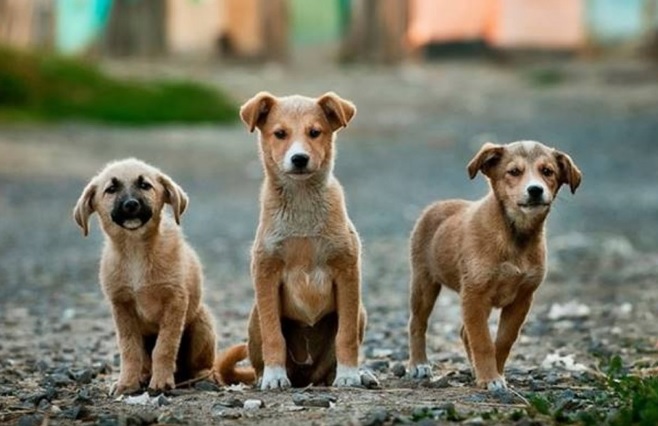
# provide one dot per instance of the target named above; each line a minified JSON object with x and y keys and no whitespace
{"x":420,"y":371}
{"x":274,"y":378}
{"x":347,"y":376}
{"x":496,"y":385}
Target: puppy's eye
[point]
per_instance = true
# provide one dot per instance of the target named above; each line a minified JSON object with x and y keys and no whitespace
{"x":280,"y":134}
{"x":111,"y":189}
{"x":515,"y":172}
{"x":547,"y":172}
{"x":144,"y":185}
{"x":314,"y":133}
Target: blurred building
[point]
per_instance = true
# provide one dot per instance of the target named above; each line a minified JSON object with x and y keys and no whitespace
{"x":377,"y":30}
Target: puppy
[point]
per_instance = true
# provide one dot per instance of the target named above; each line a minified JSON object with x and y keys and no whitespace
{"x":150,"y":275}
{"x":308,"y":320}
{"x":492,"y":252}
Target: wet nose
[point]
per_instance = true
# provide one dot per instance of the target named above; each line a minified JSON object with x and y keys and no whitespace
{"x":535,"y":191}
{"x":130,"y":205}
{"x":299,"y":160}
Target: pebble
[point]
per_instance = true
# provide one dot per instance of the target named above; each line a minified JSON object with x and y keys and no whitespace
{"x":313,"y":400}
{"x":162,"y":401}
{"x":83,"y":376}
{"x":253,"y":404}
{"x":369,"y":380}
{"x":207,"y":386}
{"x":399,"y":370}
{"x":169,"y":418}
{"x":30,"y":420}
{"x":375,"y":417}
{"x":59,"y":380}
{"x":230,"y":403}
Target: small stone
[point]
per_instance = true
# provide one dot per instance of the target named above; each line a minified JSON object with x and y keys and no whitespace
{"x":169,"y":418}
{"x":223,"y":412}
{"x":475,"y":421}
{"x":207,"y":386}
{"x":59,"y":380}
{"x":252,"y":404}
{"x":44,"y":404}
{"x":147,"y":417}
{"x":102,"y":367}
{"x":230,"y":403}
{"x":106,"y":420}
{"x":313,"y":400}
{"x":55,"y":409}
{"x":375,"y":417}
{"x":48,"y":394}
{"x":30,"y":420}
{"x":83,"y":397}
{"x":503,"y":396}
{"x":369,"y":380}
{"x":161,"y":400}
{"x":73,"y":413}
{"x":399,"y":370}
{"x":83,"y":376}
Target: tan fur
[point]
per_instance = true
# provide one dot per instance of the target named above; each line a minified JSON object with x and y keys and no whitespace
{"x":152,"y":279}
{"x":492,"y":252}
{"x":306,"y":255}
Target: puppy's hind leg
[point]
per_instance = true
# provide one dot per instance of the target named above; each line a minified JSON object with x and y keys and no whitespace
{"x":423,"y":296}
{"x":200,"y":354}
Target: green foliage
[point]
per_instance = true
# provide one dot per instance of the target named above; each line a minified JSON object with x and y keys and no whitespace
{"x":47,"y":87}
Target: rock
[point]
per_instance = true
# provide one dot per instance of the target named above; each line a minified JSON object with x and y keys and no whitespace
{"x":439,"y":383}
{"x":30,"y":420}
{"x":48,"y":394}
{"x":474,"y":421}
{"x":169,"y":418}
{"x":147,"y":417}
{"x":60,"y":380}
{"x":107,"y":420}
{"x":503,"y":396}
{"x":43,"y":405}
{"x":161,"y":401}
{"x":252,"y":404}
{"x":102,"y":367}
{"x":83,"y":376}
{"x":207,"y":386}
{"x":375,"y":417}
{"x":399,"y":370}
{"x":369,"y":380}
{"x":230,"y":403}
{"x":83,"y":397}
{"x":313,"y":400}
{"x":225,"y":413}
{"x":74,"y":413}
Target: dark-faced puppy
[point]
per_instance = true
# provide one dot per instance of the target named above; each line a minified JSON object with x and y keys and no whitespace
{"x":492,"y":252}
{"x":150,"y":275}
{"x":308,"y":321}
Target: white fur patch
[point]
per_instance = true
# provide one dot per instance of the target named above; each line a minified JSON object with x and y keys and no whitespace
{"x":274,"y":378}
{"x":420,"y":371}
{"x":296,"y":148}
{"x":497,"y":384}
{"x":347,"y":376}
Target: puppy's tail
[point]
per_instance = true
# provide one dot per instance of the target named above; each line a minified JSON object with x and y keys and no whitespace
{"x":230,"y":374}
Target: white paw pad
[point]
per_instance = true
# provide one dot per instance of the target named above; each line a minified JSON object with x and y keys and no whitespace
{"x":420,"y":371}
{"x":274,"y":378}
{"x":347,"y":376}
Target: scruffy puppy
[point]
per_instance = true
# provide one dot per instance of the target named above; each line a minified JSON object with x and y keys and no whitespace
{"x":492,"y":252}
{"x":308,"y":320}
{"x":150,"y":275}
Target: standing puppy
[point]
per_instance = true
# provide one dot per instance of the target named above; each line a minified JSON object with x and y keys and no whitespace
{"x":150,"y":275}
{"x":308,"y":321}
{"x":492,"y":252}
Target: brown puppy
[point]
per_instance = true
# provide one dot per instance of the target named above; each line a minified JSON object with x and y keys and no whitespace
{"x":308,"y":321}
{"x":150,"y":275}
{"x":492,"y":252}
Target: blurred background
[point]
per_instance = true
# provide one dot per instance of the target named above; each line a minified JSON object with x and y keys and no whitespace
{"x":83,"y":82}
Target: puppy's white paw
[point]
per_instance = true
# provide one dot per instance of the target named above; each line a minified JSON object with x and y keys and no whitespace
{"x":347,"y":376}
{"x":274,"y":378}
{"x":496,"y":384}
{"x":420,"y":371}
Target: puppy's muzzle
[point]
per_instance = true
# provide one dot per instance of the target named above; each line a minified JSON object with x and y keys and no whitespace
{"x":299,"y":162}
{"x":534,"y":197}
{"x":131,"y":213}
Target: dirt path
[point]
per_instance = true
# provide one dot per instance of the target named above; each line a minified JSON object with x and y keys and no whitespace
{"x":416,"y":129}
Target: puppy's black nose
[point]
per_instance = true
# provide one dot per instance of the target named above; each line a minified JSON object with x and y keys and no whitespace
{"x":535,"y":191}
{"x":130,"y":205}
{"x":299,"y":160}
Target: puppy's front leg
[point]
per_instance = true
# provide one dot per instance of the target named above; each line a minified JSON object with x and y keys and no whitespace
{"x":267,"y":276}
{"x":131,"y":348}
{"x":476,"y":313}
{"x":168,"y":342}
{"x":348,"y":302}
{"x":511,"y":319}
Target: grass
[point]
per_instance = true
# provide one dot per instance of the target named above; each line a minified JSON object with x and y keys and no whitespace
{"x":45,"y":87}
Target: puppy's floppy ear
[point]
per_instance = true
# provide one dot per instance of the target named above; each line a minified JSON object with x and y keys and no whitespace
{"x":339,"y":111}
{"x":569,"y":172}
{"x":85,"y":207}
{"x":485,"y":159}
{"x":174,"y":195}
{"x":255,"y":110}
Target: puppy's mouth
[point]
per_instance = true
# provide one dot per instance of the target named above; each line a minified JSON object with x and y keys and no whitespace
{"x":299,"y":174}
{"x":134,"y":221}
{"x":533,"y":205}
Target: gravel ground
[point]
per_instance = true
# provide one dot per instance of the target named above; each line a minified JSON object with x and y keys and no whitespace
{"x":416,"y":129}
